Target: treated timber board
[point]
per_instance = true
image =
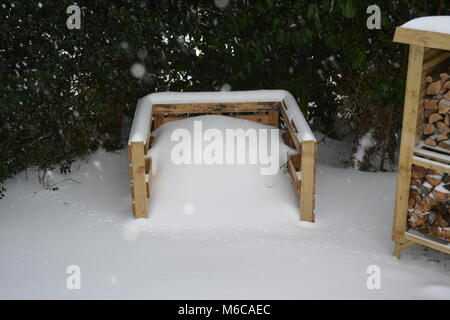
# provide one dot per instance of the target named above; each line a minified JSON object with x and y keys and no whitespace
{"x":290,"y":129}
{"x":170,"y":109}
{"x":139,"y":183}
{"x":439,"y":153}
{"x":308,"y":181}
{"x":411,"y":236}
{"x":431,"y":164}
{"x":263,"y":118}
{"x":436,"y":61}
{"x":420,"y":38}
{"x":408,"y":137}
{"x":292,"y":173}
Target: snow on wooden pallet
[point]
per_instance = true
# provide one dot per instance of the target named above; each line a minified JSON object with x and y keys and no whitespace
{"x":262,"y":106}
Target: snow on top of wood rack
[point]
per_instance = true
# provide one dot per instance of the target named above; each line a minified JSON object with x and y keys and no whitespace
{"x":143,"y":114}
{"x":440,"y":24}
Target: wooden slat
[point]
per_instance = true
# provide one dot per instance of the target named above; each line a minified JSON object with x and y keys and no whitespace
{"x":169,"y":109}
{"x":138,"y":174}
{"x":435,"y":62}
{"x":423,"y":151}
{"x":158,"y":120}
{"x":308,"y":181}
{"x":431,"y":164}
{"x":410,"y":111}
{"x":290,"y":130}
{"x":428,"y":242}
{"x":422,"y":38}
{"x":296,"y":161}
{"x":147,"y":165}
{"x":132,"y":190}
{"x":263,"y":118}
{"x":293,"y":174}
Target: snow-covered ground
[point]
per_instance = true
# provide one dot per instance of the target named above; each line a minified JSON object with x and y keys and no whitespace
{"x":214,"y":232}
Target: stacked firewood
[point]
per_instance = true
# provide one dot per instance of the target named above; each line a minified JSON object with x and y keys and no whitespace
{"x":436,"y":106}
{"x":429,"y":202}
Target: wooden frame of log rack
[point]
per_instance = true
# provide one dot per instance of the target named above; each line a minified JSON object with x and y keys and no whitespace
{"x":301,"y":166}
{"x":428,"y":51}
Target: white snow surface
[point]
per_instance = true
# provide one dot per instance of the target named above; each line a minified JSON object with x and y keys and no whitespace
{"x":143,"y":113}
{"x":214,"y":232}
{"x":439,"y":24}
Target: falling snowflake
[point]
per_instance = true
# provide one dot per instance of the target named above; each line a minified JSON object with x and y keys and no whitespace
{"x":221,"y":3}
{"x":137,"y":70}
{"x":225,"y":87}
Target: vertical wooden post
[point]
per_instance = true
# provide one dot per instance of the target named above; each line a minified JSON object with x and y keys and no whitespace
{"x":308,"y":181}
{"x":138,"y":166}
{"x":410,"y":111}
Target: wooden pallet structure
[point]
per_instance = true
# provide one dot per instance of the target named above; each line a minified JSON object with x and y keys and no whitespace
{"x":428,"y":53}
{"x":271,"y":107}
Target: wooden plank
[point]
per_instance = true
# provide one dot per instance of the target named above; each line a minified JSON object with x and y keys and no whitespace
{"x":138,"y":173}
{"x":148,"y":142}
{"x":274,"y":117}
{"x":147,"y":165}
{"x":290,"y":130}
{"x":410,"y":111}
{"x":308,"y":180}
{"x":293,"y":174}
{"x":438,"y":59}
{"x":427,"y":242}
{"x":420,"y":38}
{"x":296,"y":161}
{"x":430,"y":53}
{"x":263,"y":118}
{"x":435,"y":63}
{"x":170,"y":109}
{"x":132,"y":190}
{"x":431,"y":164}
{"x":129,"y":152}
{"x":430,"y":153}
{"x":400,"y":246}
{"x":158,"y":120}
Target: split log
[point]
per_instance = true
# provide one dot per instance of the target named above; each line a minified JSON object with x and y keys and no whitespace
{"x":434,"y":88}
{"x":444,"y":145}
{"x":435,"y":117}
{"x":430,"y":142}
{"x":442,"y":128}
{"x":418,"y":172}
{"x":447,"y":95}
{"x":443,"y":106}
{"x":447,"y":85}
{"x":428,"y":129}
{"x":434,"y":180}
{"x":430,"y":104}
{"x":444,"y":76}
